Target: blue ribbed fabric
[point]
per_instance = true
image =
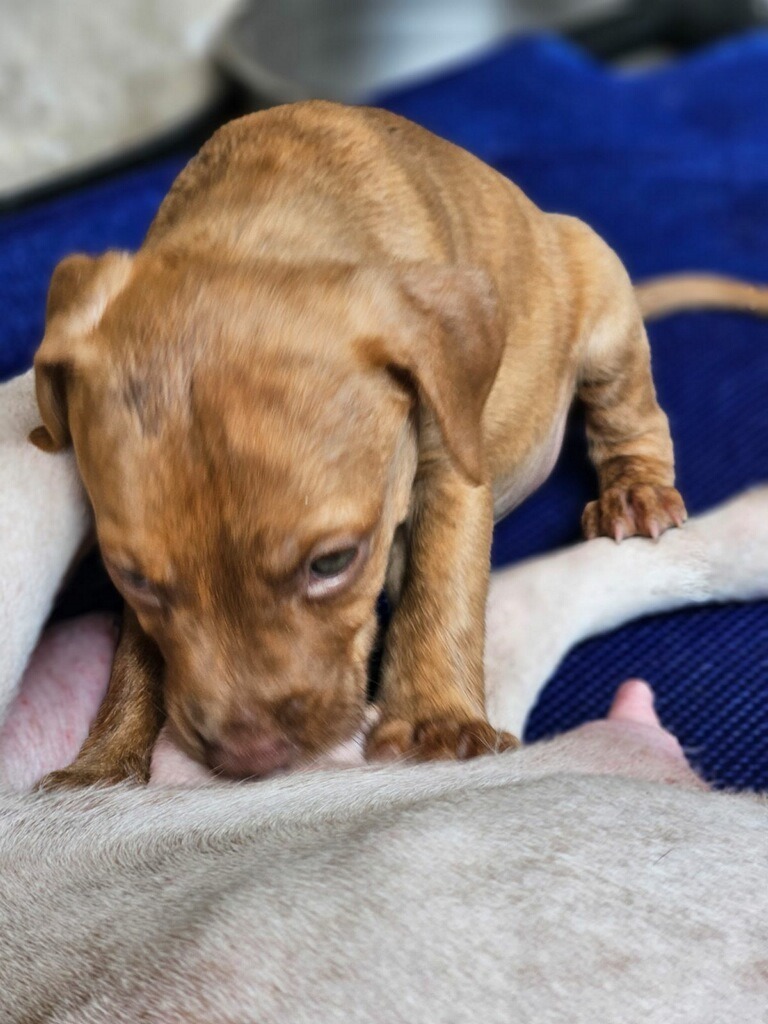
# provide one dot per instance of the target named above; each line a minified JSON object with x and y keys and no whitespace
{"x":671,"y":167}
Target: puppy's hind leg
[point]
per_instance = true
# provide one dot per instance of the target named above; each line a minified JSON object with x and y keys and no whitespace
{"x":627,"y":431}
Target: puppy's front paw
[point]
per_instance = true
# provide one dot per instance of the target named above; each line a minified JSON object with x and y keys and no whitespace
{"x":437,"y":739}
{"x":82,"y":774}
{"x":644,"y":510}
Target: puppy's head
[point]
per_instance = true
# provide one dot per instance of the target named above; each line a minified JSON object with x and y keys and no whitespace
{"x":249,"y":441}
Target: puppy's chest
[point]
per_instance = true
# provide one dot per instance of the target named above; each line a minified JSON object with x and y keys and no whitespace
{"x":529,"y":467}
{"x":525,"y":417}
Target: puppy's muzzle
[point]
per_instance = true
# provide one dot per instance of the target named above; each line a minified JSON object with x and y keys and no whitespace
{"x":246,"y":745}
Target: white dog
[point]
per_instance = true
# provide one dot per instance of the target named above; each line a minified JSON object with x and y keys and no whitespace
{"x":565,"y":882}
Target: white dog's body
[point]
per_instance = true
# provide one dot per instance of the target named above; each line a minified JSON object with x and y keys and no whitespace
{"x":526,"y":887}
{"x":495,"y":892}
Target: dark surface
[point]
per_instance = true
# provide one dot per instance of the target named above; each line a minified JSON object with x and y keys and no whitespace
{"x":671,"y":167}
{"x":675,"y":24}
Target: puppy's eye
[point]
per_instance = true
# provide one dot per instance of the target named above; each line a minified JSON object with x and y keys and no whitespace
{"x":333,"y":564}
{"x":135,"y":580}
{"x":333,"y":571}
{"x":135,"y":584}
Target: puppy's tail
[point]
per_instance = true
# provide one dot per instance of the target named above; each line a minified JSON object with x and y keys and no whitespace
{"x":675,"y":293}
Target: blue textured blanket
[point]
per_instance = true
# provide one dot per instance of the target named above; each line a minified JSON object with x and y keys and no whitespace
{"x":671,"y":167}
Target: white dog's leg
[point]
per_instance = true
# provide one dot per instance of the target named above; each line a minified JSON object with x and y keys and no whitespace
{"x":43,"y":520}
{"x":538,"y":610}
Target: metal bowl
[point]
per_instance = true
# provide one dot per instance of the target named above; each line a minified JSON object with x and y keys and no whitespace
{"x":351,"y":50}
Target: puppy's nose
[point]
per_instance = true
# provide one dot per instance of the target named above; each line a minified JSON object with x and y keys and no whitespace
{"x":246,"y":749}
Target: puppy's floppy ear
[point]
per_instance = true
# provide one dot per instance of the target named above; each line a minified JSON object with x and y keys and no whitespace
{"x":81,"y":287}
{"x":450,"y":346}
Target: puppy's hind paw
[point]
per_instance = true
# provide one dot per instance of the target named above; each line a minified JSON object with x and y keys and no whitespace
{"x":644,"y":510}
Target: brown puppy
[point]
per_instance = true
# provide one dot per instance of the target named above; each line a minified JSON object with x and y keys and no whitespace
{"x":345,"y":347}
